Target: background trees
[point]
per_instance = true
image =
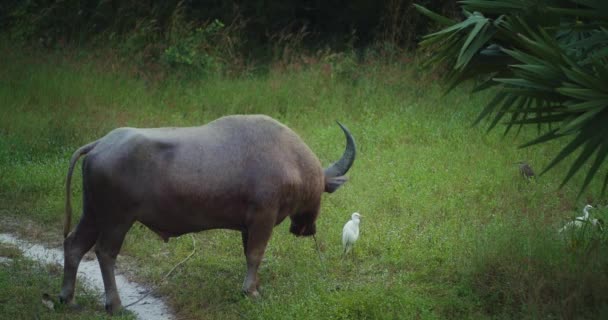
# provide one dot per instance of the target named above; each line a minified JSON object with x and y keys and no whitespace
{"x":332,"y":22}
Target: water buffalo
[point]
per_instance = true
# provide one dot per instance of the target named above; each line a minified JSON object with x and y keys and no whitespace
{"x":241,"y":172}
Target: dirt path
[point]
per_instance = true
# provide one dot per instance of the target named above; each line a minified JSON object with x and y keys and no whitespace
{"x":149,"y":308}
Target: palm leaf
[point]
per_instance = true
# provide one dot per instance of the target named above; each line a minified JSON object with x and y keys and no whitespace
{"x":579,"y":121}
{"x":507,"y":103}
{"x":566,"y":151}
{"x":550,"y":135}
{"x":588,"y":149}
{"x":550,"y":64}
{"x":582,"y":93}
{"x":436,"y":17}
{"x":599,"y":159}
{"x":496,"y":100}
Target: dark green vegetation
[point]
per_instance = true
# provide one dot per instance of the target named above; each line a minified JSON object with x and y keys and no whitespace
{"x":547,"y":62}
{"x":257,"y":24}
{"x":23,"y":283}
{"x":211,"y":36}
{"x":450,"y":229}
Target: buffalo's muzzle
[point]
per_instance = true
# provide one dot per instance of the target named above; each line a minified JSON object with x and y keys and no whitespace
{"x":303,"y":230}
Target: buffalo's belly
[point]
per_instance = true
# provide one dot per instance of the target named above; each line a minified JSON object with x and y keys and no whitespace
{"x":179,"y":216}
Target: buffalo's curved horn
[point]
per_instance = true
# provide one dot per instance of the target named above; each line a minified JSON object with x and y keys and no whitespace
{"x":340,"y":167}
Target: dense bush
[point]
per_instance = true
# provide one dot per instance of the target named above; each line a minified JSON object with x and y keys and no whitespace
{"x":251,"y":28}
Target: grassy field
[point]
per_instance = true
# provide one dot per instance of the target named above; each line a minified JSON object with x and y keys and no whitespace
{"x":23,"y":283}
{"x":450,"y":229}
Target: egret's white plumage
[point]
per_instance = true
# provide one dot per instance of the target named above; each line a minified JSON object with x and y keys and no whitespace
{"x":579,"y":221}
{"x":350,"y":232}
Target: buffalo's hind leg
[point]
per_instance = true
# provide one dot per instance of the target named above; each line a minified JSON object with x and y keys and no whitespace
{"x":255,"y":239}
{"x":107,"y":247}
{"x":74,"y":247}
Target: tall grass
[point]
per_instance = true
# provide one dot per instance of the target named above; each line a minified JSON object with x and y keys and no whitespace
{"x":450,"y":229}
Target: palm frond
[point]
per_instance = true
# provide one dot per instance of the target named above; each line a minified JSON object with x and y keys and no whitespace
{"x":549,"y":61}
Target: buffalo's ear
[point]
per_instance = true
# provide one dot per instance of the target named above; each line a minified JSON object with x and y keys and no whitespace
{"x":332,"y":184}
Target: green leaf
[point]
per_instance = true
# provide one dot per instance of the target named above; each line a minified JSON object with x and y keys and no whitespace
{"x":486,"y":84}
{"x":541,"y":119}
{"x":579,"y":121}
{"x":496,"y":100}
{"x":502,"y":111}
{"x":582,"y":93}
{"x":597,"y":55}
{"x":457,"y":27}
{"x":540,"y":45}
{"x":592,"y":14}
{"x":434,"y":16}
{"x":523,"y":83}
{"x":520,"y":109}
{"x":466,"y":52}
{"x":533,"y":93}
{"x":493,"y":6}
{"x":575,"y":106}
{"x":599,"y":159}
{"x":544,"y":109}
{"x":588,"y":149}
{"x":581,"y":78}
{"x":541,"y":71}
{"x":525,"y":58}
{"x":542,"y":138}
{"x":566,"y":151}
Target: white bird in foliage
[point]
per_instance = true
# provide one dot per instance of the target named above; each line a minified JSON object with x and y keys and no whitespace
{"x":579,"y":221}
{"x":350,"y":233}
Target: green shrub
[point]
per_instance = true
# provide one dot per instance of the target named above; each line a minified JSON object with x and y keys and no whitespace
{"x":195,"y":50}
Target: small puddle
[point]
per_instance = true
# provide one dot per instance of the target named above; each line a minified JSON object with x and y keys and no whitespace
{"x":149,"y":308}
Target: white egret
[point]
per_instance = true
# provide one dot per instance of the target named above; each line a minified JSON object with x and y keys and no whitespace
{"x":350,"y":233}
{"x":579,"y":221}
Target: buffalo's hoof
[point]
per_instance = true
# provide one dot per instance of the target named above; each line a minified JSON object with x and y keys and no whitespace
{"x":71,"y":305}
{"x":64,"y":300}
{"x":255,"y":294}
{"x":113,"y":309}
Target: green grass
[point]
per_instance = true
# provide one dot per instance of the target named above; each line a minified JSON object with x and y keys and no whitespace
{"x":450,"y":229}
{"x":23,"y":283}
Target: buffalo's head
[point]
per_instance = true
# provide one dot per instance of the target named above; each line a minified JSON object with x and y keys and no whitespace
{"x":303,"y":225}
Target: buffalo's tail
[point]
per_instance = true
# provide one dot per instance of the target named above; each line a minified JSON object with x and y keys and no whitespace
{"x":67,"y":222}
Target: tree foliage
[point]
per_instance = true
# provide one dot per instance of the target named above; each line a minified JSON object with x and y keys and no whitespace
{"x":547,"y":60}
{"x":326,"y":22}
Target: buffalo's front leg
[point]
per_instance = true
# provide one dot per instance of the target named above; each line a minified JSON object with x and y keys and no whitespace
{"x":74,"y":248}
{"x":257,"y":236}
{"x":244,"y":237}
{"x":107,"y":248}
